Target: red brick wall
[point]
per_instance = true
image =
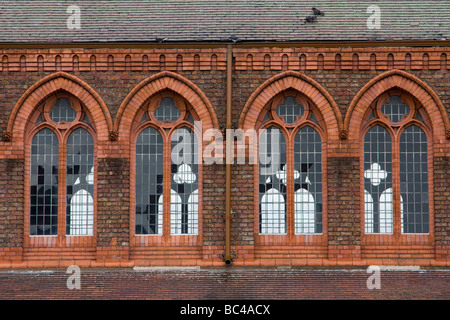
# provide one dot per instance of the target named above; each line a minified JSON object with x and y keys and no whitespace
{"x":11,"y":197}
{"x":441,"y":206}
{"x":113,"y":207}
{"x":344,"y":223}
{"x":107,"y":85}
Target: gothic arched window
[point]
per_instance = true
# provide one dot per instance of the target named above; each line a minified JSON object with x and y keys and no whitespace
{"x":396,"y":195}
{"x":166,"y":168}
{"x":290,"y":167}
{"x":62,"y":169}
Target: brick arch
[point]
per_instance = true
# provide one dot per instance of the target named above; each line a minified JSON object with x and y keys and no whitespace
{"x":165,"y":80}
{"x":301,"y":83}
{"x":41,"y":90}
{"x":407,"y":82}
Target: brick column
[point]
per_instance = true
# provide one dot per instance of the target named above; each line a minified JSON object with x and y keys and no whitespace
{"x":441,"y":207}
{"x":344,"y":222}
{"x":213,"y":212}
{"x":113,"y":209}
{"x":11,"y":209}
{"x":242,"y":206}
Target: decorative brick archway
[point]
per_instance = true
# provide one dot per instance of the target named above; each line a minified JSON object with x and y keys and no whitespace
{"x":17,"y":136}
{"x":400,"y":80}
{"x":426,"y":246}
{"x":142,"y":247}
{"x":159,"y":82}
{"x":301,"y":83}
{"x":41,"y":90}
{"x":301,"y":247}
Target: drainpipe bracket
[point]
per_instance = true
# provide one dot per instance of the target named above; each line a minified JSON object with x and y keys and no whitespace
{"x":228,"y":261}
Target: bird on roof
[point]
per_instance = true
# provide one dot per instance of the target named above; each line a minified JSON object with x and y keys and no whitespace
{"x":234,"y":38}
{"x":318,"y":12}
{"x":160,"y":40}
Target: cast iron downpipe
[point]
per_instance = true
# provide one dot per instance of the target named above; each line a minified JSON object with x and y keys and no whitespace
{"x":229,"y":145}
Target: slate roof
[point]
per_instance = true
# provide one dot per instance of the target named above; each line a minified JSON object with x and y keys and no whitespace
{"x":227,"y":284}
{"x":115,"y":21}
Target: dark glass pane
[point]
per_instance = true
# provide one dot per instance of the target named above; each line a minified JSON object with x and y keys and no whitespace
{"x":149,"y":186}
{"x":378,"y":201}
{"x":414,"y":180}
{"x":272,"y":182}
{"x":39,"y":119}
{"x":144,"y":118}
{"x":313,"y":118}
{"x":62,"y":111}
{"x":167,"y":110}
{"x":308,"y":181}
{"x":289,"y":110}
{"x":267,"y":117}
{"x":395,"y":109}
{"x":190,"y":118}
{"x":184,"y":182}
{"x":80,"y":184}
{"x":419,"y":117}
{"x":44,"y":183}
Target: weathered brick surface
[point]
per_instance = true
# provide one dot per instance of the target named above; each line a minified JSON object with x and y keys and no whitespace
{"x":113,"y":202}
{"x":213,"y":205}
{"x":243,"y":218}
{"x":224,"y":284}
{"x":117,"y":72}
{"x":344,"y":223}
{"x":442,"y":200}
{"x":11,"y":203}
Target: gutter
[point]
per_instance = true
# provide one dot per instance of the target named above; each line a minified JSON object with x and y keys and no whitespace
{"x":219,"y":44}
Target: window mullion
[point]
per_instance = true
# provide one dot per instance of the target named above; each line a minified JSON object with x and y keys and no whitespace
{"x":290,"y":205}
{"x":166,"y":185}
{"x":62,"y":192}
{"x":396,"y":185}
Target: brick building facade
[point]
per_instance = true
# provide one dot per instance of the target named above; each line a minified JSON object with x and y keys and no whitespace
{"x":344,"y":83}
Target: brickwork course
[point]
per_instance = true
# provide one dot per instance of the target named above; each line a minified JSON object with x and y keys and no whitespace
{"x":239,"y":284}
{"x":124,"y":56}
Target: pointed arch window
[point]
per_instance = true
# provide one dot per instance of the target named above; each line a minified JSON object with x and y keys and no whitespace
{"x":44,"y":183}
{"x":167,"y":176}
{"x":272,"y":181}
{"x":184,"y":181}
{"x":290,"y":167}
{"x":149,"y":182}
{"x":308,"y":181}
{"x":80,"y":183}
{"x":62,"y":169}
{"x":396,"y":190}
{"x":414,"y":180}
{"x":378,"y":179}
